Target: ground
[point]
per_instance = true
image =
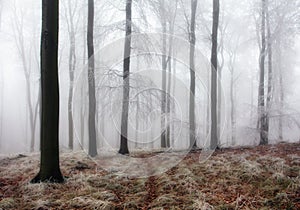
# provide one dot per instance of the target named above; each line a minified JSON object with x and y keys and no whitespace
{"x":264,"y":177}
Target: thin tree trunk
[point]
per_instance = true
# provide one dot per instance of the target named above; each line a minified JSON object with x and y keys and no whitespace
{"x":193,"y":140}
{"x":214,"y":61}
{"x":173,"y":111}
{"x":49,"y":167}
{"x":270,"y":70}
{"x":137,"y":121}
{"x":232,"y":99}
{"x":27,"y":72}
{"x":281,"y":89}
{"x":82,"y":107}
{"x":261,"y":94}
{"x":72,"y":66}
{"x":126,"y":81}
{"x":164,"y":78}
{"x":91,"y":80}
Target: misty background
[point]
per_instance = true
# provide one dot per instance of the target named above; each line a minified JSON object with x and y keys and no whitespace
{"x":20,"y":26}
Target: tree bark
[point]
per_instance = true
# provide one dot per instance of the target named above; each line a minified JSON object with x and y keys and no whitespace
{"x":193,"y":140}
{"x":232,"y":98}
{"x":270,"y":70}
{"x":126,"y":81}
{"x":72,"y":66}
{"x":261,"y":94}
{"x":49,"y":166}
{"x":164,"y":78}
{"x":214,"y":61}
{"x":91,"y":80}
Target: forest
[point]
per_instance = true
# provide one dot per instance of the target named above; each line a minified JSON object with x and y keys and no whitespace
{"x":149,"y":104}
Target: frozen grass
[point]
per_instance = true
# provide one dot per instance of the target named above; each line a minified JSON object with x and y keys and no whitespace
{"x":265,"y":177}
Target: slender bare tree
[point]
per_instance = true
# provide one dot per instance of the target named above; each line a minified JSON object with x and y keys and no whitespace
{"x":126,"y":85}
{"x":70,"y":18}
{"x":270,"y":70}
{"x":193,"y":139}
{"x":214,"y":68}
{"x":261,"y":89}
{"x":91,"y":80}
{"x":28,"y":69}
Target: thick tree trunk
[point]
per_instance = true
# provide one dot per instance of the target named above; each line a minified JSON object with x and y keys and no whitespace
{"x":214,"y":61}
{"x":126,"y":81}
{"x":49,"y":167}
{"x":261,"y":94}
{"x":91,"y":80}
{"x":193,"y":140}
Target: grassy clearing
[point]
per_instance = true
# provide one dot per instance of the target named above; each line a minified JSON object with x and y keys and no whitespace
{"x":265,"y":177}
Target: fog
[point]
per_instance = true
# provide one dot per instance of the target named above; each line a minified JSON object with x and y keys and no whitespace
{"x":238,"y":54}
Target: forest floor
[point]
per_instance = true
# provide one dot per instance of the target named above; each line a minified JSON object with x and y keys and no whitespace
{"x":264,"y":177}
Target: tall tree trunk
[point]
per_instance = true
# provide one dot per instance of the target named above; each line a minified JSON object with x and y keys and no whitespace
{"x":214,"y":61}
{"x":49,"y":166}
{"x":164,"y":78}
{"x":82,"y":106}
{"x":19,"y":38}
{"x":91,"y":80}
{"x":173,"y":115}
{"x":261,"y":94}
{"x":232,"y":99}
{"x":170,"y":54}
{"x":137,"y":117}
{"x":193,"y":140}
{"x":208,"y":114}
{"x":126,"y":80}
{"x":72,"y":66}
{"x":281,"y":90}
{"x":270,"y":70}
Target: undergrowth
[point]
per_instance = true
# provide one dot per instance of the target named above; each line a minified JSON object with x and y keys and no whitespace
{"x":266,"y":177}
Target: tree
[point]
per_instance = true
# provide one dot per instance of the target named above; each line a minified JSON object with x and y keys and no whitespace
{"x":49,"y":166}
{"x":261,"y":89}
{"x":270,"y":70}
{"x":91,"y":80}
{"x":214,"y":69}
{"x":232,"y":54}
{"x":26,"y":58}
{"x":126,"y":82}
{"x":164,"y":76}
{"x":72,"y":65}
{"x":193,"y":142}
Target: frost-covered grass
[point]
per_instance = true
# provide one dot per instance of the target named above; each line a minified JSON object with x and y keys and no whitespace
{"x":266,"y":177}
